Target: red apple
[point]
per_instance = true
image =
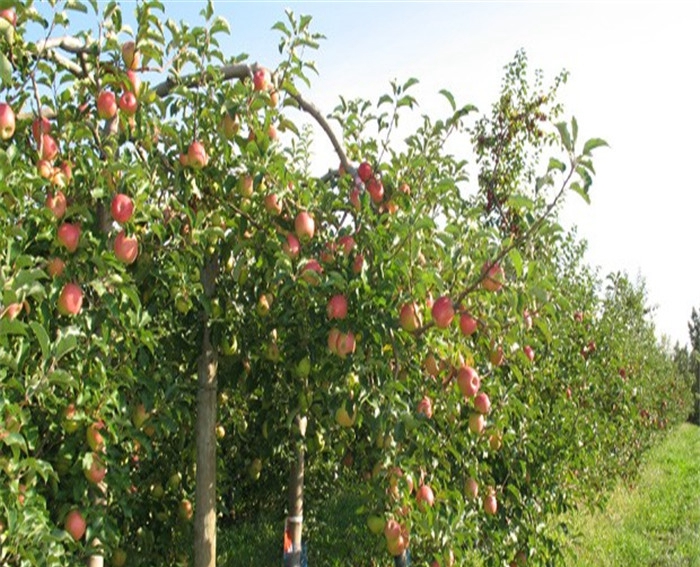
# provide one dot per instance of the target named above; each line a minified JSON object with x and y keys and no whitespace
{"x":10,"y":15}
{"x":392,"y":530}
{"x":337,"y":307}
{"x":493,"y":281}
{"x":346,"y":243}
{"x":55,"y":267}
{"x":346,"y":344}
{"x":44,"y":168}
{"x":425,"y":496}
{"x":425,"y":406}
{"x":304,"y":226}
{"x":272,"y":132}
{"x":7,"y":121}
{"x":95,"y":440}
{"x":490,"y":503}
{"x":409,"y":317}
{"x":134,"y":84}
{"x":482,"y":403}
{"x":57,"y":204}
{"x":128,"y":103}
{"x":375,"y":190}
{"x":443,"y":312}
{"x":261,"y":79}
{"x":364,"y":171}
{"x":311,"y":272}
{"x":40,"y":126}
{"x":11,"y":311}
{"x":476,"y":423}
{"x":468,"y":381}
{"x":75,"y":524}
{"x":106,"y":105}
{"x":70,"y":301}
{"x":130,"y":55}
{"x":291,"y":246}
{"x":333,"y":335}
{"x":197,"y":156}
{"x":272,"y":204}
{"x":66,"y":169}
{"x":126,"y":248}
{"x":49,"y":148}
{"x":527,"y":349}
{"x":122,"y":208}
{"x":97,"y":471}
{"x":467,"y":324}
{"x":69,"y":236}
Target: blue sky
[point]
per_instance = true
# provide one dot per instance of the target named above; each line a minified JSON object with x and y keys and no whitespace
{"x":632,"y":82}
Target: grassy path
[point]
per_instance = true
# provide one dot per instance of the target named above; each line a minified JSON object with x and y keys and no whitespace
{"x":658,"y":523}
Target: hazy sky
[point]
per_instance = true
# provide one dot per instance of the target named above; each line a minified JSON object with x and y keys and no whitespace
{"x":633,"y":68}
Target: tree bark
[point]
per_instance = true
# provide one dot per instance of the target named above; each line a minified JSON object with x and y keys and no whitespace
{"x":205,"y":489}
{"x":296,"y":506}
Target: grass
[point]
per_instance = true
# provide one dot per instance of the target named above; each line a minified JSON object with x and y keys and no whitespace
{"x":655,"y":524}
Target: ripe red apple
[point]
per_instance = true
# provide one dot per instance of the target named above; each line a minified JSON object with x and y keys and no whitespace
{"x":409,"y":317}
{"x":122,"y":208}
{"x":126,"y":248}
{"x":272,"y":204}
{"x":471,"y":488}
{"x":311,"y":272}
{"x":346,"y":244}
{"x":197,"y":156}
{"x":490,"y":503}
{"x":346,"y":344}
{"x":75,"y":524}
{"x":467,"y":324}
{"x":425,"y":496}
{"x":443,"y":312}
{"x":425,"y":406}
{"x":494,"y":276}
{"x":70,"y":301}
{"x":468,"y":381}
{"x":476,"y":423}
{"x":130,"y":55}
{"x":44,"y":168}
{"x":482,"y":403}
{"x":11,"y":311}
{"x":97,"y":470}
{"x":128,"y":103}
{"x":134,"y":84}
{"x":291,"y":246}
{"x":66,"y":169}
{"x":10,"y":15}
{"x":364,"y":171}
{"x":69,"y":236}
{"x":304,"y":226}
{"x":40,"y":126}
{"x":55,"y":267}
{"x":106,"y":105}
{"x":392,"y":529}
{"x":261,"y":79}
{"x":95,"y":440}
{"x":527,"y":349}
{"x":375,"y":190}
{"x":57,"y":203}
{"x":49,"y":148}
{"x":272,"y":132}
{"x":337,"y":307}
{"x":7,"y":121}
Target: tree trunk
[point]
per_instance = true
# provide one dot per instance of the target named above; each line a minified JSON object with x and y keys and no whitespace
{"x":205,"y":489}
{"x":296,"y":507}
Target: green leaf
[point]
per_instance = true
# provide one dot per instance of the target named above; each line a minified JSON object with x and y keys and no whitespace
{"x":5,"y":69}
{"x":43,"y":337}
{"x":63,"y":378}
{"x":76,"y":6}
{"x":517,"y":261}
{"x":564,"y":135}
{"x":556,"y":164}
{"x":67,"y":341}
{"x":450,"y":98}
{"x":574,"y":129}
{"x":581,"y":191}
{"x":592,"y":144}
{"x":15,"y":439}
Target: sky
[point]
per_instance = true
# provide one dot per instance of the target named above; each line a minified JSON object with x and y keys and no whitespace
{"x":632,"y":66}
